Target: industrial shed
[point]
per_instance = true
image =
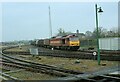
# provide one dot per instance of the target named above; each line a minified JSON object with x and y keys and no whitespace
{"x":112,"y":43}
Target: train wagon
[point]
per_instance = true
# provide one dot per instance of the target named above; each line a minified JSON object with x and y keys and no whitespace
{"x":56,"y":42}
{"x":40,"y":43}
{"x":46,"y":43}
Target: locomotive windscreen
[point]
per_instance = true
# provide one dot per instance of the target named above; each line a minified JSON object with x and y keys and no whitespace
{"x":74,"y":39}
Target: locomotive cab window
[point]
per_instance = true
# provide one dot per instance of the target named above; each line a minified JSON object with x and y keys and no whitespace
{"x":74,"y":39}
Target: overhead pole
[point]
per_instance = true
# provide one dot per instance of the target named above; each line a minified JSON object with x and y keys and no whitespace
{"x":50,"y":23}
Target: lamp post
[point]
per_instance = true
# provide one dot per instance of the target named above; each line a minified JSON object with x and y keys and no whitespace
{"x":98,"y":10}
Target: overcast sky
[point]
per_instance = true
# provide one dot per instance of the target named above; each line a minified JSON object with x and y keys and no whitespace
{"x":30,"y":20}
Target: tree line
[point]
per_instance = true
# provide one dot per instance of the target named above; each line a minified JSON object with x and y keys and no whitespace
{"x":102,"y":32}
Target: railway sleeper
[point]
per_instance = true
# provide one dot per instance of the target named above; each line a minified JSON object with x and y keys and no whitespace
{"x":42,"y":70}
{"x":12,"y":65}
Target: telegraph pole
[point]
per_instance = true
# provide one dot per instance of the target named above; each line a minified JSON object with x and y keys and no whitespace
{"x":50,"y":24}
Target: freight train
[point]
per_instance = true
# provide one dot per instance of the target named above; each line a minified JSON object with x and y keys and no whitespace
{"x":67,"y":42}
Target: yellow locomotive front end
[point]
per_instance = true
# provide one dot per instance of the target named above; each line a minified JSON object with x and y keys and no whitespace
{"x":74,"y":43}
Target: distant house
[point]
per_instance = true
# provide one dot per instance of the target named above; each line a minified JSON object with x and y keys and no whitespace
{"x":80,"y":35}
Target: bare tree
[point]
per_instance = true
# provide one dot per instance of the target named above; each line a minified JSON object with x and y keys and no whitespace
{"x":61,"y":32}
{"x":102,"y":32}
{"x":88,"y":34}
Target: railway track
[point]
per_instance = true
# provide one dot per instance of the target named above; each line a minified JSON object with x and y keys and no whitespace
{"x":38,"y":67}
{"x":100,"y":78}
{"x":8,"y":67}
{"x":105,"y":78}
{"x":81,"y":55}
{"x":105,"y":55}
{"x":41,"y":49}
{"x":105,"y":75}
{"x":33,"y":69}
{"x":8,"y":76}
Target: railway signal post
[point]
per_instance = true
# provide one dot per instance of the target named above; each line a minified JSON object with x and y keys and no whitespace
{"x":98,"y":10}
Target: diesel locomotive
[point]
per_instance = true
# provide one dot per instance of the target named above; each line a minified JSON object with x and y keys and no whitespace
{"x":67,"y":42}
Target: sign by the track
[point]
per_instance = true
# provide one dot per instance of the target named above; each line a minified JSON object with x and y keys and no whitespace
{"x":33,"y":51}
